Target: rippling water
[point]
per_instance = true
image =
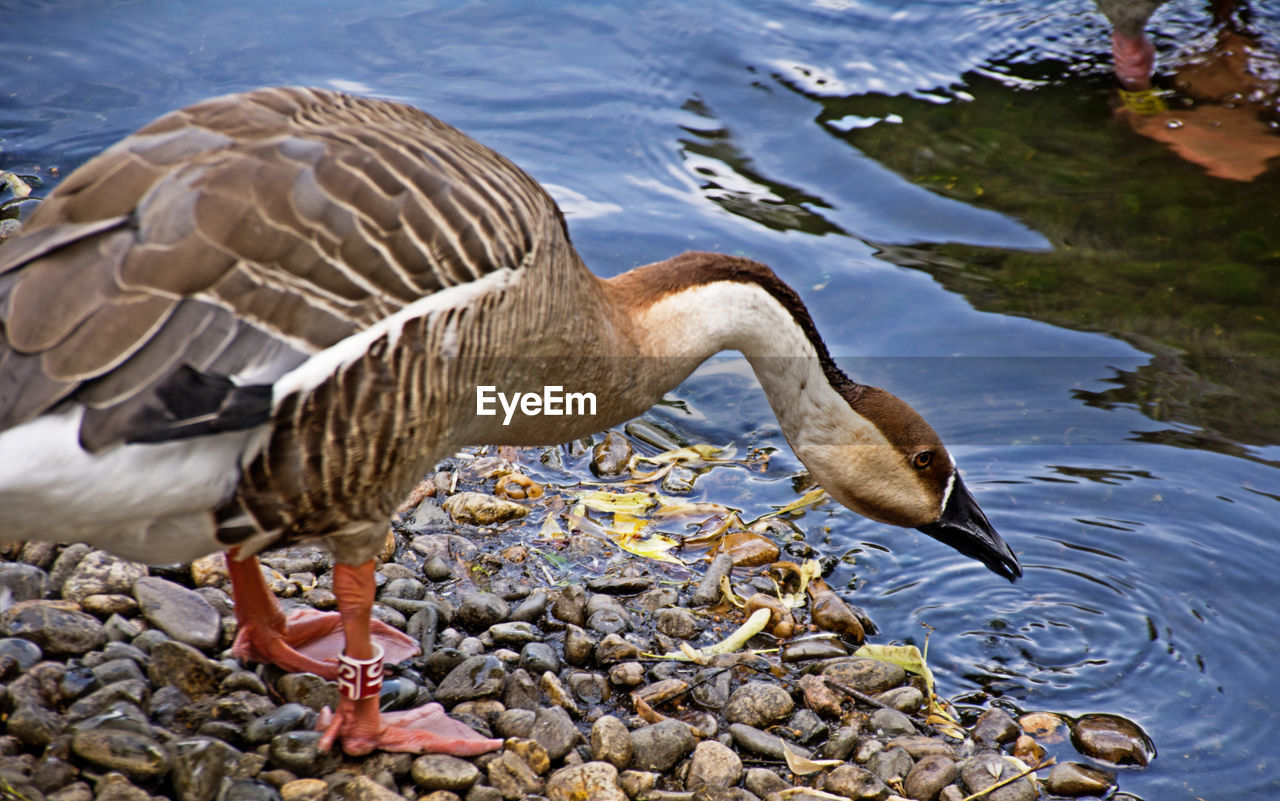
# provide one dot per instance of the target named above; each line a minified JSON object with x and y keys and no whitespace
{"x":946,"y":184}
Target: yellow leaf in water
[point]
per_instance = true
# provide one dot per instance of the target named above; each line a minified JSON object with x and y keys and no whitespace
{"x":550,"y":528}
{"x":654,"y":546}
{"x":810,"y":498}
{"x":633,"y":503}
{"x":802,"y":765}
{"x":698,"y":453}
{"x":907,"y":657}
{"x":729,"y":594}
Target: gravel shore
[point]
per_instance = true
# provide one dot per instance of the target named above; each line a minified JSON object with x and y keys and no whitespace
{"x":116,"y":684}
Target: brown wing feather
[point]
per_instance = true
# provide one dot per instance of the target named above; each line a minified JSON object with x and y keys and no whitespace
{"x":235,"y":238}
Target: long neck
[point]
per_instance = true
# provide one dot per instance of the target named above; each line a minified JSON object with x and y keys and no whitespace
{"x":683,"y":311}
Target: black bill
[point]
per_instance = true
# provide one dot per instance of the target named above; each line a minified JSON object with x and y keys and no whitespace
{"x":964,"y":527}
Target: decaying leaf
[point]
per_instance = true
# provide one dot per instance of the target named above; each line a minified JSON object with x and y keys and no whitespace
{"x":781,"y":624}
{"x":727,"y":590}
{"x":17,"y":186}
{"x":831,"y":613}
{"x":792,"y":580}
{"x":802,"y":765}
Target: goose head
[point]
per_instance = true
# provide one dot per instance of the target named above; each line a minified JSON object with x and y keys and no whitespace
{"x":879,"y":457}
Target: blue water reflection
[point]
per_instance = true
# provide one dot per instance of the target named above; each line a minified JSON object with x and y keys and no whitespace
{"x":1149,"y":545}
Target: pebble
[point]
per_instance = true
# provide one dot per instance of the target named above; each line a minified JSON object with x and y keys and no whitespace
{"x":136,"y":755}
{"x":610,"y":456}
{"x":531,"y":608}
{"x":679,"y":623}
{"x":758,"y":704}
{"x":56,"y":629}
{"x":478,"y":676}
{"x":101,"y":573}
{"x":891,"y":722}
{"x":613,"y":648}
{"x":299,"y":752}
{"x":480,"y":610}
{"x":855,"y":782}
{"x":1113,"y":739}
{"x":869,"y":676}
{"x":23,"y":652}
{"x":538,"y":667}
{"x":611,"y":742}
{"x":22,"y":582}
{"x":198,"y":766}
{"x":304,"y":790}
{"x":981,"y":771}
{"x":659,"y":746}
{"x":443,"y":772}
{"x":181,"y":613}
{"x":479,"y":509}
{"x":713,"y":764}
{"x":708,"y":591}
{"x":1073,"y":779}
{"x":175,"y":664}
{"x":813,"y":648}
{"x":512,"y":777}
{"x":928,"y":776}
{"x":553,"y":727}
{"x":538,"y":657}
{"x":996,"y":726}
{"x":596,"y":781}
{"x":620,"y":585}
{"x":759,"y":742}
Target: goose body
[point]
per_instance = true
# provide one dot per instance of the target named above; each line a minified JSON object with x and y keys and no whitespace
{"x":262,"y":319}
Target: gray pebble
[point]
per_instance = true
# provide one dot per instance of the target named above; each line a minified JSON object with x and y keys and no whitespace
{"x":555,"y":730}
{"x":538,"y":657}
{"x":514,"y":634}
{"x":589,"y":688}
{"x":443,"y":772}
{"x":679,"y":622}
{"x":891,"y":722}
{"x":520,"y":691}
{"x":868,"y":676}
{"x":708,"y":591}
{"x":476,"y":677}
{"x":480,"y":610}
{"x":531,"y":609}
{"x":579,"y":646}
{"x":891,"y":764}
{"x":762,"y":743}
{"x":22,"y":582}
{"x":981,"y":771}
{"x":929,"y":775}
{"x":136,"y":755}
{"x":713,"y":764}
{"x":570,"y":605}
{"x":759,"y":704}
{"x":181,"y":613}
{"x":101,"y":573}
{"x":659,"y":746}
{"x":854,"y":782}
{"x":284,"y":718}
{"x":58,"y":631}
{"x":299,"y":752}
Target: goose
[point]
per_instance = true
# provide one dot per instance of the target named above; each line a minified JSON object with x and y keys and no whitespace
{"x":261,"y":319}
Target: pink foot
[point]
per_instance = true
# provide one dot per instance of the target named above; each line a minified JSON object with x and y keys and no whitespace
{"x":425,"y":730}
{"x":311,"y":642}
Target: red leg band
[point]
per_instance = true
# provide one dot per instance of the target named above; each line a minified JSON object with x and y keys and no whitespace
{"x":360,"y":678}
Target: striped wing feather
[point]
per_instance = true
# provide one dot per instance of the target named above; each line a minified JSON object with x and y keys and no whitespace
{"x":171,"y":278}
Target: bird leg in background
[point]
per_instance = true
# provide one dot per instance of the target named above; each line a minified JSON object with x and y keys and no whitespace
{"x":358,"y":722}
{"x":305,"y":641}
{"x":1135,"y":58}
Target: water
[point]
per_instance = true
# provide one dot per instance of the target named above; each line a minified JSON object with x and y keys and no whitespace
{"x":1088,"y":320}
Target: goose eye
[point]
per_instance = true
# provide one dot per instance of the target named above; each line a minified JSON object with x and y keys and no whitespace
{"x":922,"y":460}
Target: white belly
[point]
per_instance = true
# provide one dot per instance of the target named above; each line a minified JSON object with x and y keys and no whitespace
{"x":147,"y":502}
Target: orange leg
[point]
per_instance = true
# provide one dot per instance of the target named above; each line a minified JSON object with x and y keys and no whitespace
{"x":306,"y":641}
{"x":358,"y":721}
